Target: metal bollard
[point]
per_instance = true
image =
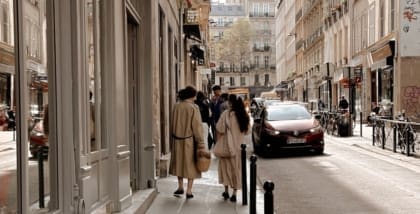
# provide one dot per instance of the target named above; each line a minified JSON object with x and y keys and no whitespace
{"x":41,"y":176}
{"x":407,"y":142}
{"x":244,"y":179}
{"x":268,"y":197}
{"x":394,"y":139}
{"x":383,"y":136}
{"x":373,"y":132}
{"x":361,"y":124}
{"x":253,"y":185}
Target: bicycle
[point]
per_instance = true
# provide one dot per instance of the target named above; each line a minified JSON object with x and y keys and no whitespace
{"x":405,"y":133}
{"x":332,"y":123}
{"x":324,"y":119}
{"x":379,"y":134}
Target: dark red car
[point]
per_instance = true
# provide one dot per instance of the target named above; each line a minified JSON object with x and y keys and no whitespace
{"x":38,"y":140}
{"x":286,"y":126}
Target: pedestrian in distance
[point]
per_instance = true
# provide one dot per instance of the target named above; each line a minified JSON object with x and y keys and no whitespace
{"x":224,"y":102}
{"x":215,"y":103}
{"x":203,"y":104}
{"x":187,"y":135}
{"x":321,"y":105}
{"x":234,"y":121}
{"x":343,"y":105}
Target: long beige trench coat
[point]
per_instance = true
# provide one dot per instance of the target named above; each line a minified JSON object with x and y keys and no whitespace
{"x":186,"y":124}
{"x":230,"y":168}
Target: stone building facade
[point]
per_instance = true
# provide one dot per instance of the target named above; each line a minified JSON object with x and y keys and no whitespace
{"x":108,"y":73}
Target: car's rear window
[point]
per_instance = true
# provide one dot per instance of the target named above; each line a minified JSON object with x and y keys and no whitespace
{"x":288,"y":112}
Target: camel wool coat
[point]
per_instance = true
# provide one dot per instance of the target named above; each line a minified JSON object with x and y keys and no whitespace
{"x":230,"y":168}
{"x":186,"y":126}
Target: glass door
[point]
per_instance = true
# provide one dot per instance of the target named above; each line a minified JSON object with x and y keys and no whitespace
{"x":8,"y":145}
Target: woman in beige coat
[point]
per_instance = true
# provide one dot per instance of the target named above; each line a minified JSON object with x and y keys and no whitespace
{"x":237,"y":120}
{"x":186,"y":127}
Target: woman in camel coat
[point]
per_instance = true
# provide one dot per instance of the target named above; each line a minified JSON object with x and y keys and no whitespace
{"x":186,"y":127}
{"x":237,"y":120}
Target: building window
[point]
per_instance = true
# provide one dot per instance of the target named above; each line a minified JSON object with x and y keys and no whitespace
{"x":382,"y":19}
{"x":5,"y":22}
{"x":267,"y":80}
{"x":222,"y":81}
{"x":257,"y":80}
{"x":222,"y":67}
{"x":243,"y":81}
{"x":391,"y":15}
{"x":372,"y":24}
{"x":232,"y":81}
{"x":257,"y":61}
{"x":266,"y":62}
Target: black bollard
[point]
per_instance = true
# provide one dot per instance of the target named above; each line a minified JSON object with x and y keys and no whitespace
{"x":41,"y":176}
{"x":253,"y":185}
{"x":244,"y":180}
{"x":394,"y":139}
{"x":383,"y":136}
{"x":407,"y":142}
{"x":373,"y":131}
{"x":361,"y":124}
{"x":268,"y":197}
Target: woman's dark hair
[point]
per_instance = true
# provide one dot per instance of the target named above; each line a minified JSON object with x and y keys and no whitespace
{"x":238,"y":106}
{"x":200,"y":96}
{"x":187,"y":93}
{"x":224,"y":96}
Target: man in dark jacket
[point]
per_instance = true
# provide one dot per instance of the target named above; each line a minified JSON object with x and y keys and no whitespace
{"x":215,"y":103}
{"x":343,"y":104}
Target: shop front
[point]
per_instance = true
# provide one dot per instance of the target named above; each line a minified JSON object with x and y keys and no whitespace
{"x":382,"y":76}
{"x":66,"y":77}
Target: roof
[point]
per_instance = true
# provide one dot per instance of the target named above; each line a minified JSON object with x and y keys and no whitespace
{"x":227,"y":10}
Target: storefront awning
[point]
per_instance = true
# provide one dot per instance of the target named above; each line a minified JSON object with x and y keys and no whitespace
{"x":192,"y":32}
{"x":197,"y":52}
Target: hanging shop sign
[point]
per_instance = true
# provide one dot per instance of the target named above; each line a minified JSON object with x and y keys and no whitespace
{"x":192,"y":16}
{"x":409,"y":28}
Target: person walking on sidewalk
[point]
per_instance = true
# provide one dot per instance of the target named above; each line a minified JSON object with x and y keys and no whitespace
{"x":186,"y":131}
{"x":237,"y":121}
{"x":215,"y":103}
{"x":204,"y":106}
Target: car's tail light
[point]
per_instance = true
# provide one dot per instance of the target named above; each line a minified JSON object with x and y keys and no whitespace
{"x":270,"y":129}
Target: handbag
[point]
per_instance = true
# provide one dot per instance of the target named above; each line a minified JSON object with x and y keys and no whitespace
{"x":224,"y":146}
{"x":202,"y":158}
{"x":203,"y":163}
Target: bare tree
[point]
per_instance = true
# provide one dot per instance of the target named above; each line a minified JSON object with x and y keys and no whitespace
{"x":234,"y":47}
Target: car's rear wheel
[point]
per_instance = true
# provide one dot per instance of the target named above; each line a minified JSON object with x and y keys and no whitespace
{"x":319,"y":151}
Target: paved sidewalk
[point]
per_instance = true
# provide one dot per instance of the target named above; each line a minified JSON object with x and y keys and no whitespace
{"x":207,"y":196}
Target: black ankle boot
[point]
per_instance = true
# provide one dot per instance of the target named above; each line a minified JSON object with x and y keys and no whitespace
{"x":225,"y":195}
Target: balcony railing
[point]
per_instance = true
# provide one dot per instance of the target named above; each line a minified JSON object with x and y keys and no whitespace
{"x":263,"y":32}
{"x":261,"y":49}
{"x":261,"y":14}
{"x":221,"y":24}
{"x":315,"y":35}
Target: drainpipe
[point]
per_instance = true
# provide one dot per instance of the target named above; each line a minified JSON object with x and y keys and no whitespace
{"x":181,"y":45}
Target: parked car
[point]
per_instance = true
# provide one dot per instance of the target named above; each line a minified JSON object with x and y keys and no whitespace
{"x":286,"y":126}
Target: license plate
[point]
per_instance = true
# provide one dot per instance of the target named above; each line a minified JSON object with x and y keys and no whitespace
{"x":296,"y":140}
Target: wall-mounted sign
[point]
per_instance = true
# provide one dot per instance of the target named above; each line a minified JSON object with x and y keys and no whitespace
{"x":410,"y":28}
{"x":191,"y":16}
